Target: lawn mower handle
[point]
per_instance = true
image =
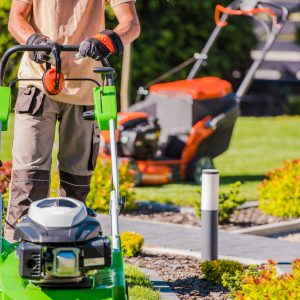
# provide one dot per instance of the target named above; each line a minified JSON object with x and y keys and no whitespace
{"x":24,"y":48}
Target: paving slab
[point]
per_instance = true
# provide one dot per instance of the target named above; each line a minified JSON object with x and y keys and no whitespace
{"x":188,"y":239}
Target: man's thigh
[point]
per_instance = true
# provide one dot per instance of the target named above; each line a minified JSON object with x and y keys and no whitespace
{"x":34,"y":130}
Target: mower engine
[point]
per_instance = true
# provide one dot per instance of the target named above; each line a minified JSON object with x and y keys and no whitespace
{"x":60,"y":243}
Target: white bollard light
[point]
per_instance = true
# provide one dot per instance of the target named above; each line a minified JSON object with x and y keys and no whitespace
{"x":209,"y":214}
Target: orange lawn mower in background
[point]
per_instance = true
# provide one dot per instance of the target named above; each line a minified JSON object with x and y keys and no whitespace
{"x":181,"y":126}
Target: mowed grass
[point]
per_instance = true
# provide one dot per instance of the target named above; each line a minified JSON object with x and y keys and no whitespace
{"x":257,"y":146}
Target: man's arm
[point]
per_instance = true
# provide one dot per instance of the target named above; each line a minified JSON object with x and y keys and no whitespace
{"x":18,"y":24}
{"x":129,"y":26}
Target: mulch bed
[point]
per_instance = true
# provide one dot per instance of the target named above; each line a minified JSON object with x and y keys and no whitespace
{"x":182,"y":274}
{"x":242,"y":218}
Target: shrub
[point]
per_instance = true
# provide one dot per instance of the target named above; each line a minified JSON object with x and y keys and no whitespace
{"x":233,"y":282}
{"x":214,"y":270}
{"x":267,"y":284}
{"x":99,"y":196}
{"x":279,"y":194}
{"x":131,"y":243}
{"x":5,"y":176}
{"x":228,"y":202}
{"x":139,"y":285}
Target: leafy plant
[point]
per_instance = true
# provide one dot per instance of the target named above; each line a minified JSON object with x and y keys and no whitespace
{"x":139,"y":285}
{"x":5,"y":176}
{"x":228,"y":202}
{"x":99,"y":196}
{"x":233,"y":282}
{"x":214,"y":270}
{"x":131,"y":243}
{"x":267,"y":284}
{"x":279,"y":193}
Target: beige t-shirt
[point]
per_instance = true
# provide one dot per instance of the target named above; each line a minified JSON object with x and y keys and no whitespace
{"x":67,"y":22}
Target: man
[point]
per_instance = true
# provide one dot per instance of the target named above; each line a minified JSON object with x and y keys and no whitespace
{"x":41,"y":22}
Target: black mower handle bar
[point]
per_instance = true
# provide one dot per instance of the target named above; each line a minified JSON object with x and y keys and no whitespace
{"x":24,"y":48}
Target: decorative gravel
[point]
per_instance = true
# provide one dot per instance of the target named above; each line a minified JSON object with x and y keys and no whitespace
{"x":241,"y":218}
{"x":182,"y":274}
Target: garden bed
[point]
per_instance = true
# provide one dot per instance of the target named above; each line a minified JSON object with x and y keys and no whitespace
{"x":182,"y":274}
{"x":241,"y":218}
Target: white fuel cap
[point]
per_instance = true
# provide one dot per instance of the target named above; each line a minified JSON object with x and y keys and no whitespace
{"x":57,"y":212}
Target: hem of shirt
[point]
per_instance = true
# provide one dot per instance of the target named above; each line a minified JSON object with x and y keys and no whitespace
{"x":121,"y":2}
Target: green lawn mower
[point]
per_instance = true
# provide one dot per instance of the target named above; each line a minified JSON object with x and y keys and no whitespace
{"x":61,"y":252}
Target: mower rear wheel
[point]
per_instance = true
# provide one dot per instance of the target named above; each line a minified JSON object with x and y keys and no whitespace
{"x":200,"y":165}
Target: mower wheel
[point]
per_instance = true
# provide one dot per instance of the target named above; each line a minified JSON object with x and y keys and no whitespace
{"x":133,"y":168}
{"x":200,"y":165}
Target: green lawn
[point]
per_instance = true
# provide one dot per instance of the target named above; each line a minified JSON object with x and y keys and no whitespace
{"x":258,"y":145}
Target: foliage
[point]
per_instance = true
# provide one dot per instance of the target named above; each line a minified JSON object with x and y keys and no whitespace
{"x":131,"y":243}
{"x":233,"y":282}
{"x":5,"y":175}
{"x":214,"y":270}
{"x":292,"y":106}
{"x":267,"y":284}
{"x":180,"y":29}
{"x":279,"y":194}
{"x":99,"y":196}
{"x":6,"y":40}
{"x":139,"y":285}
{"x":228,"y":202}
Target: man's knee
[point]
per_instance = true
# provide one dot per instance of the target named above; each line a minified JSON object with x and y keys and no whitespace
{"x":74,"y":186}
{"x":26,"y":186}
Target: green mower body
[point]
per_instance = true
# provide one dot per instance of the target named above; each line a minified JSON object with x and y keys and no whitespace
{"x":108,"y":283}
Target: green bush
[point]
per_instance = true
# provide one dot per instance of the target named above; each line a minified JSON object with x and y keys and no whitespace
{"x":139,"y":285}
{"x":234,"y":282}
{"x":228,"y":202}
{"x":214,"y":270}
{"x":279,"y":193}
{"x":99,"y":196}
{"x":132,"y":243}
{"x":7,"y":41}
{"x":267,"y":284}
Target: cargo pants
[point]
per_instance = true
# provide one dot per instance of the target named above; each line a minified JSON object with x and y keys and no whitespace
{"x":35,"y":122}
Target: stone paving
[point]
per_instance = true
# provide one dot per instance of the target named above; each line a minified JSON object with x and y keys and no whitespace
{"x":231,"y":245}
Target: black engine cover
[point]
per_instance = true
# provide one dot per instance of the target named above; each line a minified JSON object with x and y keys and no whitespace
{"x":29,"y":231}
{"x":30,"y":266}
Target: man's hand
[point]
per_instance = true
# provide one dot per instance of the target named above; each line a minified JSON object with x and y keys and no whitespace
{"x":39,"y":56}
{"x":102,"y":45}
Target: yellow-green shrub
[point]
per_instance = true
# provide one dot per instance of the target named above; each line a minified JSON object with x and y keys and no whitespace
{"x":99,"y":196}
{"x":228,"y":202}
{"x":214,"y":270}
{"x":279,"y":194}
{"x":267,"y":284}
{"x":131,"y":243}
